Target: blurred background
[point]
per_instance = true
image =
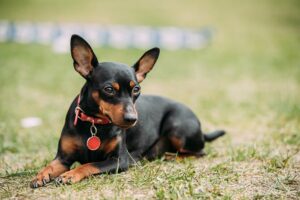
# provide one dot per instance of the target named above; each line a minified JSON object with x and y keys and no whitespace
{"x":235,"y":63}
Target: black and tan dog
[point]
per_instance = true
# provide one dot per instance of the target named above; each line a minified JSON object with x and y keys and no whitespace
{"x":110,"y":125}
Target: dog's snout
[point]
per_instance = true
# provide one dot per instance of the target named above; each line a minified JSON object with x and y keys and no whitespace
{"x":130,"y":115}
{"x":130,"y":118}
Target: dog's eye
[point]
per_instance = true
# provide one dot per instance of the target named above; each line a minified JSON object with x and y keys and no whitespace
{"x":109,"y":90}
{"x":136,"y":90}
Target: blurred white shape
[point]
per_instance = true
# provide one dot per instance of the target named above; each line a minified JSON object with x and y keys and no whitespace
{"x":142,"y":37}
{"x":195,"y":40}
{"x":119,"y":37}
{"x":92,"y":33}
{"x":61,"y":44}
{"x":171,"y":38}
{"x":29,"y":122}
{"x":24,"y":32}
{"x":116,"y":36}
{"x":44,"y":32}
{"x":4,"y":28}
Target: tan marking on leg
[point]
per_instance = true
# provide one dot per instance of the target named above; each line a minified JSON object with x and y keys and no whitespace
{"x":178,"y":145}
{"x":54,"y":169}
{"x":170,"y":156}
{"x":69,"y":144}
{"x":79,"y":173}
{"x":180,"y":156}
{"x":176,"y":142}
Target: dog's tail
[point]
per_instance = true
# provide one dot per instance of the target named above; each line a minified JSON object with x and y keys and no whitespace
{"x":213,"y":135}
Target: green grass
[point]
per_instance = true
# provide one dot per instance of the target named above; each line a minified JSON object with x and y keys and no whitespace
{"x":247,"y":82}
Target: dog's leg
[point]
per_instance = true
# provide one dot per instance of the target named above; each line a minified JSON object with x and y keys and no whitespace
{"x":65,"y":157}
{"x":158,"y":149}
{"x":117,"y":163}
{"x":88,"y":169}
{"x":54,"y":169}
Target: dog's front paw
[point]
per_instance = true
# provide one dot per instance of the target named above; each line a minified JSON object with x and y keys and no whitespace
{"x":72,"y":176}
{"x":41,"y":179}
{"x":54,"y":169}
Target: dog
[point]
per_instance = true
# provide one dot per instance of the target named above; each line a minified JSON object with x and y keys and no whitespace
{"x":110,"y":125}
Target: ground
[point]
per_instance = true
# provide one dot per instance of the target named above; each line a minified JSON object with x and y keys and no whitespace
{"x":247,"y":81}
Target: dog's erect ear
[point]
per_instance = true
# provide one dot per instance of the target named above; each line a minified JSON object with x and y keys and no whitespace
{"x":83,"y":56}
{"x":145,"y":63}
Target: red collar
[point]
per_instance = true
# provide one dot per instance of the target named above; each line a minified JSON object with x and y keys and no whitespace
{"x":79,"y":114}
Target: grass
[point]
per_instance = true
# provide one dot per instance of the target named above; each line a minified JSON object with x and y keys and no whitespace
{"x":247,"y":82}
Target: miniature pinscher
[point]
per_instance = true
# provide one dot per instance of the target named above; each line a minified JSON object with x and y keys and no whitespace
{"x":110,"y":125}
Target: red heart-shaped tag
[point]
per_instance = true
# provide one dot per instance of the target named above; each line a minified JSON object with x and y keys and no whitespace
{"x":93,"y":143}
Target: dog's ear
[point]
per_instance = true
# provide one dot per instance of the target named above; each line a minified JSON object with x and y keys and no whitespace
{"x":145,"y":63}
{"x":83,"y":56}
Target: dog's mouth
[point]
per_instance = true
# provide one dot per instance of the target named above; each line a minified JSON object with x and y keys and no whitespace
{"x":104,"y":116}
{"x":123,"y":126}
{"x":108,"y":117}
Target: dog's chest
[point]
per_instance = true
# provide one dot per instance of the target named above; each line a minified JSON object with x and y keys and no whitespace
{"x":108,"y":148}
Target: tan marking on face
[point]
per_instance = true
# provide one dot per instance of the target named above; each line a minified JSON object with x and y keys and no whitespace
{"x":70,"y":144}
{"x":132,"y":84}
{"x":111,"y":144}
{"x":114,"y":111}
{"x":95,"y":95}
{"x":116,"y":86}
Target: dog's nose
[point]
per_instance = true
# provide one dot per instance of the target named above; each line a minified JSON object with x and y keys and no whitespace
{"x":130,"y":118}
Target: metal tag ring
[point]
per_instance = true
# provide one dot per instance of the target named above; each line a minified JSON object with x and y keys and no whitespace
{"x":93,"y":130}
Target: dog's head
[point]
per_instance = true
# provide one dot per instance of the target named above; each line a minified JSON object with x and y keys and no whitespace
{"x":114,"y":87}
